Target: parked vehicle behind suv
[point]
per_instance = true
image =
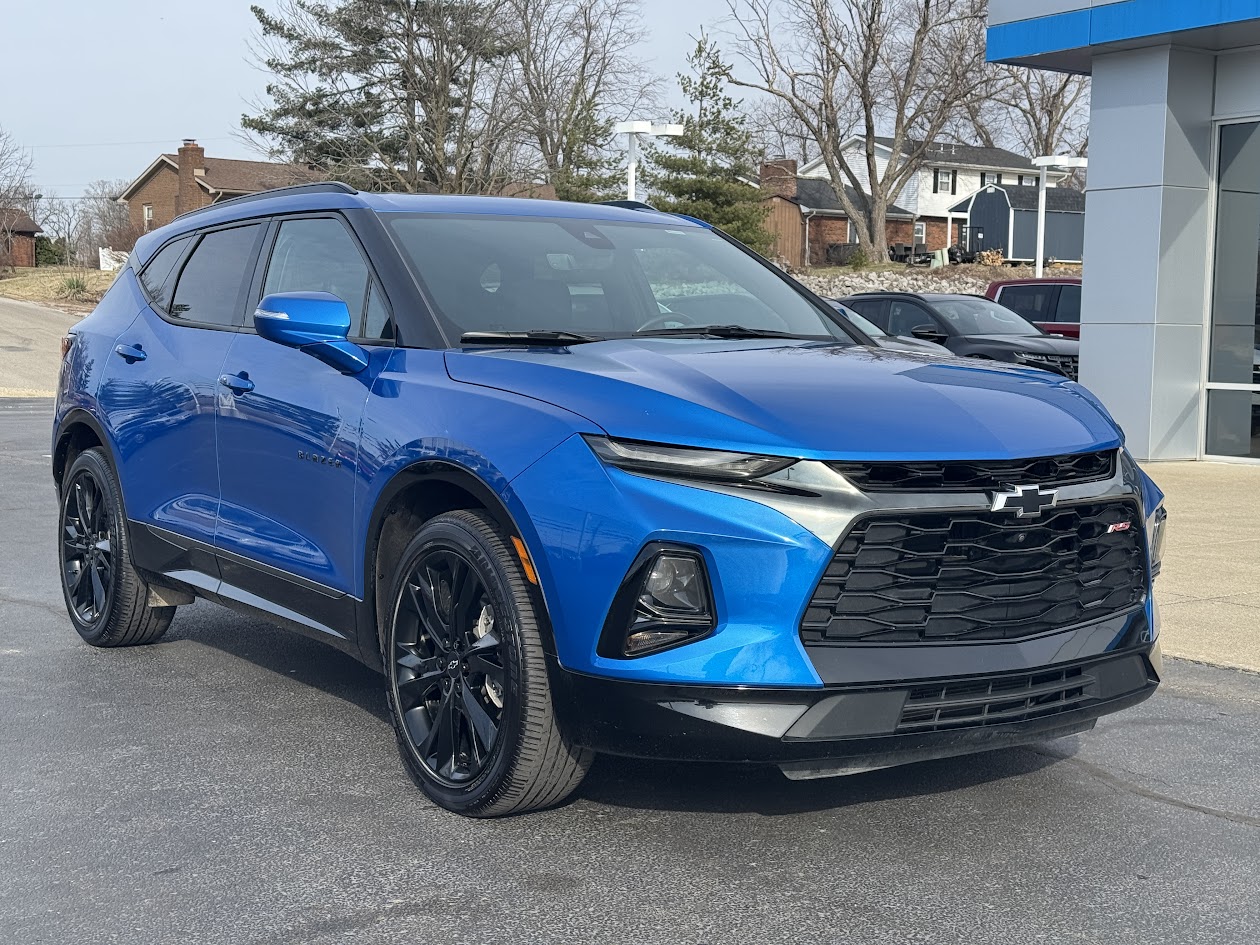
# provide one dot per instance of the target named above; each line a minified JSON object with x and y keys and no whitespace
{"x":1053,"y":305}
{"x":587,"y":478}
{"x":971,"y":327}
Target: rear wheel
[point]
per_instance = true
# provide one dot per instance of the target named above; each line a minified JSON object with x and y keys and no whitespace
{"x":105,"y":596}
{"x":468,"y":690}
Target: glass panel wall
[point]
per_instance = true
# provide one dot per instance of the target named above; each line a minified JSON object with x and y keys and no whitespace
{"x":1233,"y":416}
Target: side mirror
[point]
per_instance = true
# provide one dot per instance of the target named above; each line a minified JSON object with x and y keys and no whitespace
{"x":929,"y":333}
{"x":313,"y":322}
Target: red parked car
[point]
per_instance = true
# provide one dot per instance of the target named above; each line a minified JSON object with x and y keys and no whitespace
{"x":1053,"y":305}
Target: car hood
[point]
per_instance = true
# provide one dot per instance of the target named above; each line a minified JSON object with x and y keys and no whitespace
{"x":917,"y":345}
{"x":813,"y":400}
{"x":1039,"y":344}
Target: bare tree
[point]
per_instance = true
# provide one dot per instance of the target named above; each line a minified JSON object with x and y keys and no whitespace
{"x":779,"y":133}
{"x":577,"y":71}
{"x":106,"y":222}
{"x":410,"y":95}
{"x":16,"y":191}
{"x":905,"y":68}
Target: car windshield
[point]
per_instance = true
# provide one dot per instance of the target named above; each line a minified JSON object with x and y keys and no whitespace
{"x":982,"y":317}
{"x":598,"y":278}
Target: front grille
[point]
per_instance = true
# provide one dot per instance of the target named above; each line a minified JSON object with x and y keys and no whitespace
{"x":979,"y":475}
{"x":1016,"y":698}
{"x":1069,"y":365}
{"x":961,"y":576}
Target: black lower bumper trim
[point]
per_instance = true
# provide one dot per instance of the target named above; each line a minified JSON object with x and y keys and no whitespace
{"x":836,"y":730}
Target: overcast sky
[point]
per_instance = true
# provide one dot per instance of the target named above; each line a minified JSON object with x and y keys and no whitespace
{"x":128,"y":79}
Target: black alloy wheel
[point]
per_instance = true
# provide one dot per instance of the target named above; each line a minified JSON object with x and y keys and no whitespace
{"x":87,"y":548}
{"x":451,"y":682}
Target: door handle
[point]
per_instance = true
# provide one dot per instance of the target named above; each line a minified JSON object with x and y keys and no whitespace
{"x":237,"y":383}
{"x":131,"y":353}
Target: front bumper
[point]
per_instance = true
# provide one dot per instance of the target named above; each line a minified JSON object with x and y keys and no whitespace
{"x":846,"y":729}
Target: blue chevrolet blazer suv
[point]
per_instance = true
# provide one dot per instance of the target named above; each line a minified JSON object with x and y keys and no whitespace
{"x":594,"y":478}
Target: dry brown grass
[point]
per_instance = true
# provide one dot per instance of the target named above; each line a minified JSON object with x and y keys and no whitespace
{"x":52,"y":285}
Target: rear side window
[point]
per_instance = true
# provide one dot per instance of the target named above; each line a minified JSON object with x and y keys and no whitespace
{"x":211,"y":288}
{"x":1070,"y":305}
{"x":319,"y":255}
{"x":1034,"y":302}
{"x":875,"y":310}
{"x":158,"y":277}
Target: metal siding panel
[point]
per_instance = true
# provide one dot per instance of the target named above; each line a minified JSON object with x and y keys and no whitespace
{"x":1065,"y":236}
{"x":1025,"y":243}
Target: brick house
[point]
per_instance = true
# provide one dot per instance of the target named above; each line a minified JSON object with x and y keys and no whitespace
{"x":176,"y":183}
{"x":17,"y":238}
{"x":807,"y":220}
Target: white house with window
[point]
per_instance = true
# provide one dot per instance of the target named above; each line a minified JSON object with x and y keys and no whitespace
{"x":950,"y":171}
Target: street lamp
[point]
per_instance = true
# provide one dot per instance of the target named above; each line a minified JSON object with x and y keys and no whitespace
{"x":1062,"y":162}
{"x":634,"y":129}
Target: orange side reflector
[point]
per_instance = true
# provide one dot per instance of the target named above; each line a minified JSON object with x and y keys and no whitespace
{"x":528,"y":565}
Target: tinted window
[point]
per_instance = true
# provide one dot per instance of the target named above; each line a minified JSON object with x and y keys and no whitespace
{"x":905,"y":317}
{"x":873,"y":309}
{"x":982,"y":317}
{"x":1069,"y":304}
{"x":610,"y":278}
{"x":158,"y":277}
{"x":211,"y":286}
{"x":1034,"y":302}
{"x":319,"y":256}
{"x":861,"y":322}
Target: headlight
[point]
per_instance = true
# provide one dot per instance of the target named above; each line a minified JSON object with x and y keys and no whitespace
{"x":685,"y":462}
{"x":1156,"y":530}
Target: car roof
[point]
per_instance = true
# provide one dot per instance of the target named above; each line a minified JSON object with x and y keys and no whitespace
{"x":1049,"y":280}
{"x":333,"y":196}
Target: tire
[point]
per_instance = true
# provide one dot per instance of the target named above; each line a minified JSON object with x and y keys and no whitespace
{"x":105,"y":596}
{"x":468,"y":691}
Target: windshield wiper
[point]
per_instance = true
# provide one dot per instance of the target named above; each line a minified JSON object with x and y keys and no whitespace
{"x":721,"y":331}
{"x":552,"y":338}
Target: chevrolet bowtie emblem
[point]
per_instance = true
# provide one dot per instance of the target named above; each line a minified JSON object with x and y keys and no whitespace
{"x":1025,"y":501}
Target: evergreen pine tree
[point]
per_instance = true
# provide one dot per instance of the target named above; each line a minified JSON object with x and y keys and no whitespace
{"x":705,"y":172}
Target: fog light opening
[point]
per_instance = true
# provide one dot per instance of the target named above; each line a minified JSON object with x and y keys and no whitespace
{"x":665,"y":601}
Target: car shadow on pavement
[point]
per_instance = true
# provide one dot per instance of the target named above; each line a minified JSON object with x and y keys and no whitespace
{"x":284,"y":653}
{"x":737,"y":789}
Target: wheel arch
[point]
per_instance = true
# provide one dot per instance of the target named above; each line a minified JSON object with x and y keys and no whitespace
{"x":416,"y":493}
{"x":79,"y":431}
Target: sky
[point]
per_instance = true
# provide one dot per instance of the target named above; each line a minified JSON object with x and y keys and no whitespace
{"x":131,"y":78}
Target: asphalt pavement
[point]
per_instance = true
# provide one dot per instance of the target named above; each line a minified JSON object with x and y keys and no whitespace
{"x":30,"y":348}
{"x":236,"y":784}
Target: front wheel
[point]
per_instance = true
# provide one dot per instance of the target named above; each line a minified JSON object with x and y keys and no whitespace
{"x":468,"y":690}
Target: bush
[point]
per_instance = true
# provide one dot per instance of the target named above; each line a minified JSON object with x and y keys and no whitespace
{"x":73,"y":288}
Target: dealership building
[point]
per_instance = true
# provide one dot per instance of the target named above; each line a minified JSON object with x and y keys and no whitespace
{"x":1171,"y":305}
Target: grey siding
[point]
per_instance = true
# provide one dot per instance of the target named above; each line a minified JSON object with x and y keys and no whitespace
{"x":1065,"y":236}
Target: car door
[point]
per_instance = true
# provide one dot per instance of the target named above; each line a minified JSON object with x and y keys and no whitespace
{"x":158,"y":397}
{"x":288,"y":437}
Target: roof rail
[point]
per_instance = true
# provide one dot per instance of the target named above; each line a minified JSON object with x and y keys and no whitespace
{"x":320,"y":187}
{"x":629,"y":205}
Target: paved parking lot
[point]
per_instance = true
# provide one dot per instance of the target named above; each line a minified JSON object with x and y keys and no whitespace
{"x":235,"y":784}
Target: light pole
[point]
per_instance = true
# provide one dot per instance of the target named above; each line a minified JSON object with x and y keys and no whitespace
{"x":634,"y":129}
{"x":1061,"y":162}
